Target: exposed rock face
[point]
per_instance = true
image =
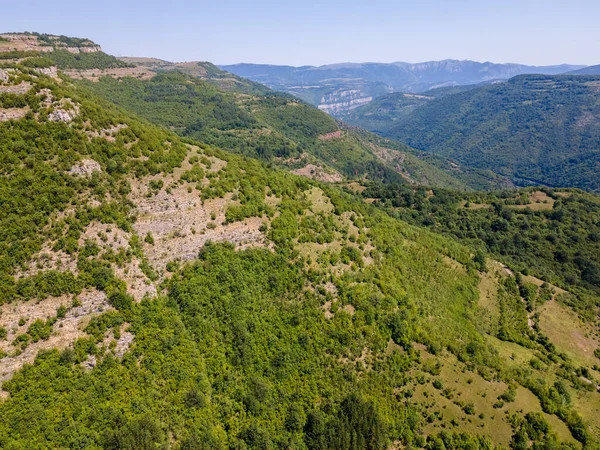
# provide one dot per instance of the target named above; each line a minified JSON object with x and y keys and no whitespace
{"x":107,"y":133}
{"x":3,"y":75}
{"x":12,"y":114}
{"x":91,"y":49}
{"x":343,"y":100}
{"x":16,"y":319}
{"x":85,"y":167}
{"x":329,"y":136}
{"x":318,"y":173}
{"x":18,"y":89}
{"x":179,"y":222}
{"x":50,"y":71}
{"x":141,"y":73}
{"x":60,"y":115}
{"x":49,"y":43}
{"x":22,"y":42}
{"x":123,"y":343}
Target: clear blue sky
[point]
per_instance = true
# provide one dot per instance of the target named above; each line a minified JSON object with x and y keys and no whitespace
{"x":326,"y":31}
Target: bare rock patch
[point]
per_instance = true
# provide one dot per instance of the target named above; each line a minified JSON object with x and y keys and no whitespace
{"x":17,"y":317}
{"x":85,"y":168}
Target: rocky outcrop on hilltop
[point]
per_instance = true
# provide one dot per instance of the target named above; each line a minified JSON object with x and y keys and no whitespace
{"x":45,"y":43}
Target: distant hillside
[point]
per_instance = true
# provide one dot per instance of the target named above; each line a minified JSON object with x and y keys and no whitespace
{"x":222,"y":109}
{"x":203,"y":70}
{"x":382,"y":113}
{"x":535,"y":129}
{"x":337,"y":88}
{"x":592,"y":70}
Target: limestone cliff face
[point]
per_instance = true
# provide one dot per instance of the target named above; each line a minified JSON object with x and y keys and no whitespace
{"x":45,"y":43}
{"x":90,"y":49}
{"x":343,"y":100}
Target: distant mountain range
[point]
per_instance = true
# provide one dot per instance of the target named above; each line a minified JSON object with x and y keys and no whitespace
{"x":591,"y":70}
{"x":337,"y":88}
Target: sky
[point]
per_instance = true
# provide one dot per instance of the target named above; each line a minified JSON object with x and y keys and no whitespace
{"x":321,"y":32}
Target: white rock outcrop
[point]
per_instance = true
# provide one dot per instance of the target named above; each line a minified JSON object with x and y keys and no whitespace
{"x":60,"y":115}
{"x":85,"y":167}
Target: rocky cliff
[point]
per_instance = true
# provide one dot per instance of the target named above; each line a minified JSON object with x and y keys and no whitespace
{"x":45,"y":43}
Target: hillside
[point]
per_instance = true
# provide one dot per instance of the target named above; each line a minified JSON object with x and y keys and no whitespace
{"x":338,"y":88}
{"x":510,"y":225}
{"x":160,"y":292}
{"x":533,"y":129}
{"x":203,"y":70}
{"x":592,"y":70}
{"x":232,"y":113}
{"x":382,"y":113}
{"x":67,"y":53}
{"x":240,"y":115}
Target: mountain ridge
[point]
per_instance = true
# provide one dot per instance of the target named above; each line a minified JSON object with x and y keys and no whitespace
{"x":334,"y":87}
{"x":590,"y":70}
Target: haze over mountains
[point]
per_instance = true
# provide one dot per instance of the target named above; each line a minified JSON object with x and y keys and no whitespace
{"x":590,"y":70}
{"x":337,"y":88}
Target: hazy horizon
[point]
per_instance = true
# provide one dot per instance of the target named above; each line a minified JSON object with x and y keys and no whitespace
{"x":341,"y":63}
{"x":328,"y":32}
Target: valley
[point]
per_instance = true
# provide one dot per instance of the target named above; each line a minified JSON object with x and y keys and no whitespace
{"x":536,"y":130}
{"x":340,"y":88}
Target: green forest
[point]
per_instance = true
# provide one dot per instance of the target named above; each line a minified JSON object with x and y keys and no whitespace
{"x":273,"y":127}
{"x":377,"y":317}
{"x":538,"y":130}
{"x":550,"y":233}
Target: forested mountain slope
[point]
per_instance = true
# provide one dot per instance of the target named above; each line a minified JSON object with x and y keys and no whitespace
{"x":534,"y":129}
{"x":384,"y":112}
{"x":205,"y":71}
{"x":553,"y":234}
{"x":159,"y":292}
{"x":221,"y":109}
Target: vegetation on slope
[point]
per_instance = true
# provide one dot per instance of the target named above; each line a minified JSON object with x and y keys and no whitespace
{"x":554,"y":235}
{"x":83,"y":61}
{"x":273,"y":127}
{"x":64,"y":51}
{"x":205,"y":71}
{"x":535,"y":129}
{"x":342,"y":83}
{"x":383,"y":113}
{"x":313,"y":342}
